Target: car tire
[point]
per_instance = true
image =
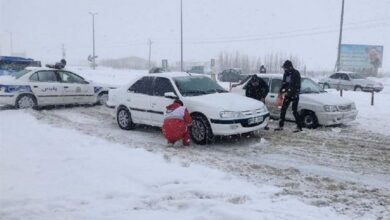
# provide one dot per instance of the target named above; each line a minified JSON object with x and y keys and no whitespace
{"x":200,"y":130}
{"x":358,"y":88}
{"x":123,"y":117}
{"x":309,"y":120}
{"x":326,"y":86}
{"x":26,"y":101}
{"x":102,"y":98}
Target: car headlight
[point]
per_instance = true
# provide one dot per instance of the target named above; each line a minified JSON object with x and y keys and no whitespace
{"x":330,"y":108}
{"x":230,"y":114}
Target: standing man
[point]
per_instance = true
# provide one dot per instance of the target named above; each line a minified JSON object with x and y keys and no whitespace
{"x":257,"y":89}
{"x":262,"y":69}
{"x":291,"y":86}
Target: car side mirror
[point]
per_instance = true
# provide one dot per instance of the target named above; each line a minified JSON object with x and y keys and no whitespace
{"x":170,"y":95}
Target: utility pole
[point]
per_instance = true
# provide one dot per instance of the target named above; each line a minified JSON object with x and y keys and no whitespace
{"x":63,"y":52}
{"x":340,"y":37}
{"x":93,"y":39}
{"x":150,"y":52}
{"x":181,"y":36}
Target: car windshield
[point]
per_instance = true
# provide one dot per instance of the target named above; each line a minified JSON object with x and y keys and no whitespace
{"x":21,"y":73}
{"x":356,"y":76}
{"x":309,"y":86}
{"x":197,"y":85}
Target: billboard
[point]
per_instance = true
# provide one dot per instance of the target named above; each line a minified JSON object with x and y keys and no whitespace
{"x":361,"y":58}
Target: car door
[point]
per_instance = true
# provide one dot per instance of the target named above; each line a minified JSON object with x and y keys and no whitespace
{"x":46,"y":87}
{"x":138,"y":100}
{"x":345,"y":82}
{"x":270,"y":100}
{"x":75,"y":89}
{"x":334,"y":80}
{"x":158,"y":101}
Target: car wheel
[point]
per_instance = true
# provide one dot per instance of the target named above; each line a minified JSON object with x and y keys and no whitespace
{"x":309,"y":120}
{"x":102,"y":98}
{"x":26,"y":101}
{"x":123,"y":117}
{"x":200,"y":130}
{"x":358,"y":88}
{"x":326,"y":86}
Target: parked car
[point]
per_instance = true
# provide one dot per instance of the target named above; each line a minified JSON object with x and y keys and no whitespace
{"x":11,"y":65}
{"x":34,"y":87}
{"x":200,"y":70}
{"x":214,"y":110}
{"x":231,"y":75}
{"x":350,"y":81}
{"x":316,"y":106}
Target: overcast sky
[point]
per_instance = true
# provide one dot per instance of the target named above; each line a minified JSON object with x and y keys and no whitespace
{"x":306,"y":28}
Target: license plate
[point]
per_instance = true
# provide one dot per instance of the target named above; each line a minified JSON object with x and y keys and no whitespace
{"x":255,"y":120}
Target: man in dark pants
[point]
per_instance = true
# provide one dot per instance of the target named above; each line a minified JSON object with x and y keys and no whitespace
{"x":291,"y":86}
{"x":257,"y":89}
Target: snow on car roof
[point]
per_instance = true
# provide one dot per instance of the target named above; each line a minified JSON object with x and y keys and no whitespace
{"x":171,"y":74}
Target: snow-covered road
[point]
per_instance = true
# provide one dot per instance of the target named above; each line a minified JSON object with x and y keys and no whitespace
{"x":344,"y":167}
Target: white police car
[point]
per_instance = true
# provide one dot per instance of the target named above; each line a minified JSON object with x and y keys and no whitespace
{"x":34,"y":87}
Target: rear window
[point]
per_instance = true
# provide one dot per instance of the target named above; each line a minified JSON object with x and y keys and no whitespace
{"x":21,"y":73}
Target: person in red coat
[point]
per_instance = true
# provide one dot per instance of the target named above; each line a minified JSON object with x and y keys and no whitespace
{"x":176,"y":122}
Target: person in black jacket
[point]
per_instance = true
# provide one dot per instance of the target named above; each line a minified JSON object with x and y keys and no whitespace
{"x":257,"y":89}
{"x":60,"y":65}
{"x":291,"y":86}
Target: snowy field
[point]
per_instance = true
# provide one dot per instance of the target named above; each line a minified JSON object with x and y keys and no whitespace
{"x":75,"y":163}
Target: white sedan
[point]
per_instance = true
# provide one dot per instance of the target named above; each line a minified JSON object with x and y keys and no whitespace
{"x":214,"y":110}
{"x":34,"y":87}
{"x":316,"y":106}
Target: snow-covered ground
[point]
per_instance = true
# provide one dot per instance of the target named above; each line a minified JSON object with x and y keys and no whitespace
{"x":75,"y":163}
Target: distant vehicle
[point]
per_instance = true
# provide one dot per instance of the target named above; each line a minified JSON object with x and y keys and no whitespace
{"x":316,"y":106}
{"x":34,"y":87}
{"x":232,"y":75}
{"x":200,"y":70}
{"x":214,"y":110}
{"x":10,"y":65}
{"x":157,"y":70}
{"x":350,"y":81}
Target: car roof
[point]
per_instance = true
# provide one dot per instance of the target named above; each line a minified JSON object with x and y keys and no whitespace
{"x":40,"y":68}
{"x":172,"y":74}
{"x":270,"y":75}
{"x":346,"y":72}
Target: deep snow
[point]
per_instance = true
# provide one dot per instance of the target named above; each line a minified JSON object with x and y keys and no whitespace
{"x":57,"y":173}
{"x":75,"y":163}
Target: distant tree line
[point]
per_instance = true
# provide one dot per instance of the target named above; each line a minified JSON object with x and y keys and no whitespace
{"x":272,"y":62}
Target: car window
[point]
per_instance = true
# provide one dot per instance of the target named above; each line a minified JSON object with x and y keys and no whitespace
{"x":143,"y":86}
{"x":21,"y":73}
{"x":68,"y":77}
{"x":266,"y":80}
{"x":334,"y":76}
{"x":34,"y":77}
{"x":356,"y":76}
{"x":161,"y":86}
{"x":344,"y":76}
{"x":309,"y":86}
{"x":276,"y":84}
{"x":45,"y":76}
{"x":197,"y":85}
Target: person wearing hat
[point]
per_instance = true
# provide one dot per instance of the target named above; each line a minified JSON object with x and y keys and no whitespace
{"x":257,"y":89}
{"x":291,"y":86}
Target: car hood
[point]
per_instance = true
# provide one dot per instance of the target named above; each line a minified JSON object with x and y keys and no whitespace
{"x":224,"y":102}
{"x":324,"y":99}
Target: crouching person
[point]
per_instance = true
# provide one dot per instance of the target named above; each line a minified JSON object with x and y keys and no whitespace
{"x":176,"y":122}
